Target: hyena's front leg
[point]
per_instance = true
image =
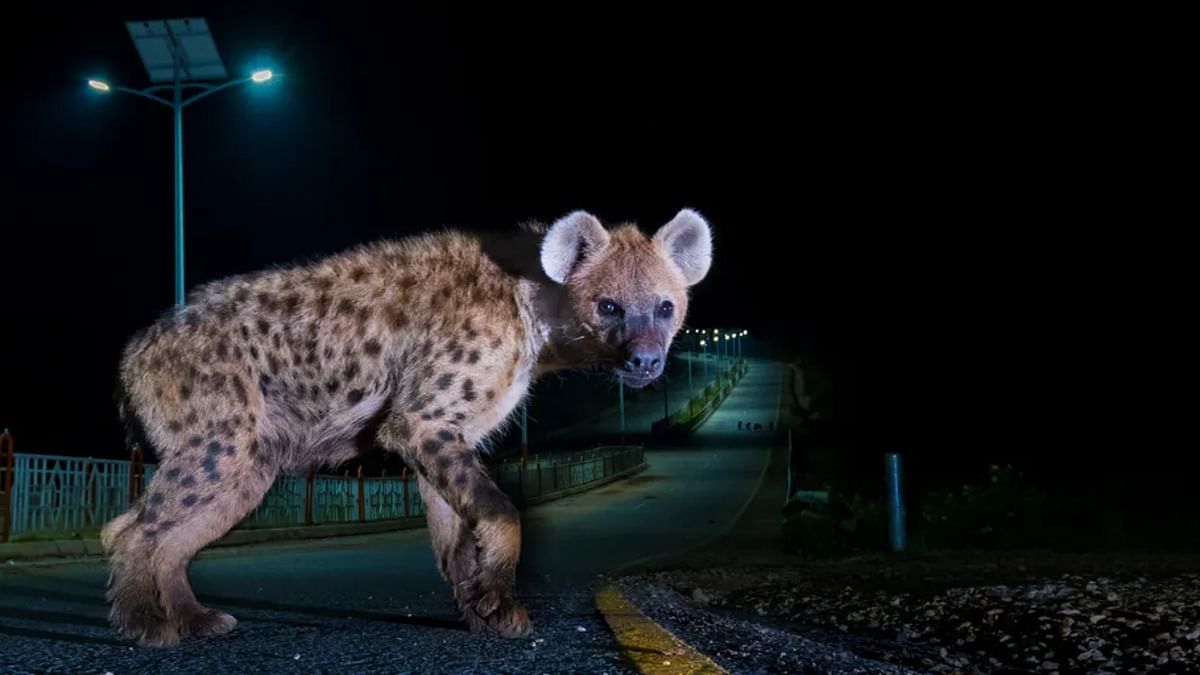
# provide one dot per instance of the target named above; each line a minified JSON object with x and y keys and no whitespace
{"x":475,"y":527}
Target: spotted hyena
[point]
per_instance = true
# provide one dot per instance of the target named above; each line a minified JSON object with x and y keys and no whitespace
{"x":422,"y":346}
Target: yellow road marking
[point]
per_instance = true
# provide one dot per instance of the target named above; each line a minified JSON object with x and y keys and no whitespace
{"x":652,"y":649}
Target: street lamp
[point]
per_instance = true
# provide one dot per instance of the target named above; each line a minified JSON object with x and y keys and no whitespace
{"x":704,"y":346}
{"x":179,"y":53}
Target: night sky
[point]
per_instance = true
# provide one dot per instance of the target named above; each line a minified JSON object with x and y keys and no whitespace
{"x":888,"y":200}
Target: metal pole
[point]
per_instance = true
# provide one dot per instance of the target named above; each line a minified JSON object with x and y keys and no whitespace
{"x":621,"y":408}
{"x":178,"y":185}
{"x":524,"y":432}
{"x":896,"y":515}
{"x":691,"y":389}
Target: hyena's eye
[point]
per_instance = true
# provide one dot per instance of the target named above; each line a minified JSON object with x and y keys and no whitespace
{"x":609,"y":308}
{"x":666,"y":309}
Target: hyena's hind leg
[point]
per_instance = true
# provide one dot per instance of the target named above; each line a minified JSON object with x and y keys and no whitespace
{"x":225,"y":485}
{"x":135,"y":610}
{"x":194,"y":499}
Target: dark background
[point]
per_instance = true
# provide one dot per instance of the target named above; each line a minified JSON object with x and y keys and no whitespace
{"x":905,"y":203}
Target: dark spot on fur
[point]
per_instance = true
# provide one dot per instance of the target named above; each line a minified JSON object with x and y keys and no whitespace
{"x":155,"y":499}
{"x":462,"y":479}
{"x":195,"y":441}
{"x":175,"y":426}
{"x":332,"y":385}
{"x":185,"y":392}
{"x":496,"y":343}
{"x":345,"y":306}
{"x":264,"y":382}
{"x":443,"y":464}
{"x":471,"y":334}
{"x":437,"y":412}
{"x":324,"y":283}
{"x":207,"y":499}
{"x":354,"y":396}
{"x":273,"y":363}
{"x":357,"y":274}
{"x":209,"y":464}
{"x":192,"y":320}
{"x":277,"y":341}
{"x":323,"y":303}
{"x":444,"y":381}
{"x":291,"y":303}
{"x":460,"y":416}
{"x":491,"y":394}
{"x":363,"y":315}
{"x":189,"y":500}
{"x":297,"y":359}
{"x":427,"y":347}
{"x":473,"y":357}
{"x":351,"y":370}
{"x":214,"y":477}
{"x":217,"y":381}
{"x":372,"y":347}
{"x":456,"y":355}
{"x":314,"y":392}
{"x":242,"y":294}
{"x":172,"y":474}
{"x":253,"y":352}
{"x":431,"y":447}
{"x":446,"y":435}
{"x":149,"y":516}
{"x":245,"y":332}
{"x":237,"y":352}
{"x":223,"y":349}
{"x":214,"y":448}
{"x":263,"y":326}
{"x":468,"y":390}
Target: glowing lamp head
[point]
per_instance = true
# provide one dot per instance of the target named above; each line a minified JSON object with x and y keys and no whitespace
{"x":261,"y":76}
{"x":99,"y":85}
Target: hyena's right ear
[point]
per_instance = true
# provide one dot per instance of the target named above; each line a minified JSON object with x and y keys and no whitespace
{"x":570,"y":239}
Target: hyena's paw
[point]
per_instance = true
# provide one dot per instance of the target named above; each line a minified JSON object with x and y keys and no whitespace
{"x":209,"y":623}
{"x":148,"y":627}
{"x":506,"y":618}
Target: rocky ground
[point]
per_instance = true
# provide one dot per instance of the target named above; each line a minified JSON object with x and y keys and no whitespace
{"x":973,"y":614}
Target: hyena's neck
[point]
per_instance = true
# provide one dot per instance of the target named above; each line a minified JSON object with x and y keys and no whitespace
{"x":562,"y":342}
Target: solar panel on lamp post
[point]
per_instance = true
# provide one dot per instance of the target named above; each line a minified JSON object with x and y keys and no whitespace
{"x":180,"y":54}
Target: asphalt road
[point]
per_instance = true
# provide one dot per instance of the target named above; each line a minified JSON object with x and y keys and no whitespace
{"x":377,"y":604}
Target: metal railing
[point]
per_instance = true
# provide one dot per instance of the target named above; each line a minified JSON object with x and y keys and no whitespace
{"x":53,"y":494}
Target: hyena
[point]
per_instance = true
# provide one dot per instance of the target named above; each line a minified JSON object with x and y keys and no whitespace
{"x":423,"y":347}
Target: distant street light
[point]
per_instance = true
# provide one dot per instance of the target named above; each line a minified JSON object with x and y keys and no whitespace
{"x":180,"y":52}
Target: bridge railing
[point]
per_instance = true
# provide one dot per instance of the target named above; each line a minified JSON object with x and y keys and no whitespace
{"x":46,"y":496}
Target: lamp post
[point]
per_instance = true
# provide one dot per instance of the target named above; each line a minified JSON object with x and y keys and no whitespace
{"x":179,"y":53}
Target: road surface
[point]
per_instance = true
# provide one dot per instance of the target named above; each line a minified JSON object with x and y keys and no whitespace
{"x":377,"y":604}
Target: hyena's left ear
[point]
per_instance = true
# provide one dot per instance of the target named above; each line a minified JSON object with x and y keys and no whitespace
{"x":687,"y":242}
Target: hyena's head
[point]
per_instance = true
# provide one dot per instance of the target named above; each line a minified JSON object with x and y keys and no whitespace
{"x":627,"y":293}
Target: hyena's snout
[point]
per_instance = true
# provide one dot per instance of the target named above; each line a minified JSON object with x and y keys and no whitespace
{"x":644,"y":361}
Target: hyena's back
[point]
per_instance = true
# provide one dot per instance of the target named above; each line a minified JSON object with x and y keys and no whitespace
{"x":303,"y":356}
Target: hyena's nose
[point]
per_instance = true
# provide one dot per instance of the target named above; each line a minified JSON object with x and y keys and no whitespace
{"x":644,"y":362}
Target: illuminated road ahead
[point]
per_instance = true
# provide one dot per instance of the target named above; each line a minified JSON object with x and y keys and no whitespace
{"x":376,"y":603}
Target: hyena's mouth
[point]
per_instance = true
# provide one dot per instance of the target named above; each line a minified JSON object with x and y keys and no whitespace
{"x":634,"y":380}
